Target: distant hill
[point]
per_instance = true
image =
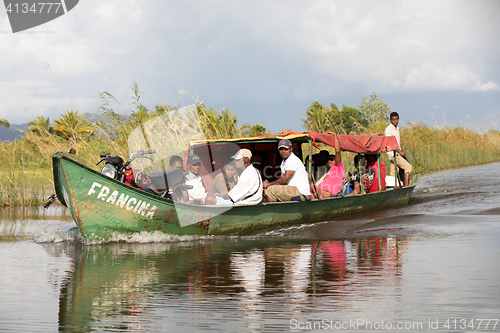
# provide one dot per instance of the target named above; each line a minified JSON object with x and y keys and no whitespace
{"x":93,"y":117}
{"x":15,"y":131}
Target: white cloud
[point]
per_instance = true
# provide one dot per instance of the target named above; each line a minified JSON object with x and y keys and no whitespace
{"x":445,"y":77}
{"x":28,"y":99}
{"x":403,"y":45}
{"x":490,"y":85}
{"x":260,"y":51}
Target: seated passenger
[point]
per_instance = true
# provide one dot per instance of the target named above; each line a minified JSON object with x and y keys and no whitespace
{"x":261,"y":162}
{"x":371,"y":164}
{"x":197,"y":194}
{"x":176,"y":162}
{"x":322,"y":164}
{"x":370,"y":176}
{"x":332,"y":183}
{"x":225,"y":180}
{"x":353,"y":186}
{"x":294,"y":182}
{"x":248,"y":189}
{"x":256,"y":161}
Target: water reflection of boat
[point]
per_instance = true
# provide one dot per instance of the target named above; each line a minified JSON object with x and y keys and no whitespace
{"x":133,"y":285}
{"x":97,"y":201}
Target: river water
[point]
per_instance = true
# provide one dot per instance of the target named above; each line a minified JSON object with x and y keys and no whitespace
{"x":430,"y":266}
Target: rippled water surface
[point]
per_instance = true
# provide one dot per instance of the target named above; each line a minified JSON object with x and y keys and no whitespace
{"x":430,"y":266}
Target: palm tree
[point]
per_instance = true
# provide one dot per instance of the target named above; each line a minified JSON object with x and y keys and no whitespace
{"x":319,"y":118}
{"x":40,"y":126}
{"x":218,"y":126}
{"x":72,"y":127}
{"x":4,"y":122}
{"x":229,"y":125}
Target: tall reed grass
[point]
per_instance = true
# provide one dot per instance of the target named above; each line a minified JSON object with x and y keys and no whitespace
{"x":19,"y":189}
{"x":26,"y":166}
{"x":431,"y":149}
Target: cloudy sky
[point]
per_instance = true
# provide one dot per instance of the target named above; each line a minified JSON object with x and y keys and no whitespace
{"x":266,"y":61}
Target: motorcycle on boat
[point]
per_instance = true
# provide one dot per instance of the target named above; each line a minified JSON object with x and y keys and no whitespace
{"x":166,"y":183}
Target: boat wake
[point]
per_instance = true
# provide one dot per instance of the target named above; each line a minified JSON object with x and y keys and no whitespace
{"x":58,"y":235}
{"x":425,"y":225}
{"x":72,"y":234}
{"x":55,"y":225}
{"x":54,"y":229}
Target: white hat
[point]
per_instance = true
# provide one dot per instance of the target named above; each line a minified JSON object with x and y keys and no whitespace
{"x":242,"y":153}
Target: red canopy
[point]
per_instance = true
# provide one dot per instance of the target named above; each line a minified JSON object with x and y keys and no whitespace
{"x":362,"y":144}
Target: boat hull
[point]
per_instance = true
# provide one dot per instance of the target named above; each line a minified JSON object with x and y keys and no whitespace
{"x":98,"y":202}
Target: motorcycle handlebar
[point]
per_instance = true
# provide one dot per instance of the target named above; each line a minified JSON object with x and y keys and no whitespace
{"x":141,"y":153}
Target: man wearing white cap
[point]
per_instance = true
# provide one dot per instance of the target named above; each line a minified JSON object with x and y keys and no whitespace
{"x":248,"y":190}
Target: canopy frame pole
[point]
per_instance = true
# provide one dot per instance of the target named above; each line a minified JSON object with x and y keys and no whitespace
{"x":378,"y":171}
{"x":396,"y":171}
{"x":361,"y":188}
{"x":309,"y":167}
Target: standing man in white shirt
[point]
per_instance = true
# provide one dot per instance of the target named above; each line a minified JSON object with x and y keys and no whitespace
{"x":293,"y":185}
{"x":248,"y":189}
{"x":393,"y":130}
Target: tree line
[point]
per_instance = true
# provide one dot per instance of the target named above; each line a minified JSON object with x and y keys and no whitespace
{"x":117,"y":123}
{"x":347,"y":120}
{"x":73,"y":127}
{"x":110,"y":133}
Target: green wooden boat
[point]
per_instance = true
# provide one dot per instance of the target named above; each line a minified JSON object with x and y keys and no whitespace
{"x":98,"y":202}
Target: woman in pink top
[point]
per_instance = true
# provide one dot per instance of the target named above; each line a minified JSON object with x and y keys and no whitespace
{"x":334,"y":179}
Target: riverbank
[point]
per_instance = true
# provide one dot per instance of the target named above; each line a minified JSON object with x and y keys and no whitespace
{"x":26,"y":166}
{"x":433,"y":149}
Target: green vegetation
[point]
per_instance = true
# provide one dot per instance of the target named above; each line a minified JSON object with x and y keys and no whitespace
{"x":347,"y":120}
{"x":449,"y":147}
{"x":18,"y":189}
{"x":374,"y":110}
{"x":4,"y":123}
{"x":428,"y":148}
{"x":25,"y":167}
